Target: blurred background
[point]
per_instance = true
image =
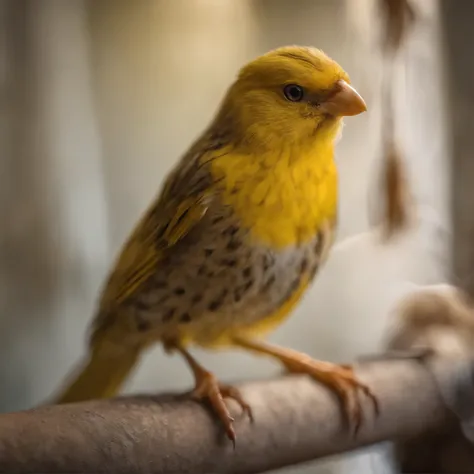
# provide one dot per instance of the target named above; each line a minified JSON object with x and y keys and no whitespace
{"x":99,"y":98}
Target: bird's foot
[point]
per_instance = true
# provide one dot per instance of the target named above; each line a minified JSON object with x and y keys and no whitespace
{"x":342,"y":380}
{"x":209,"y":389}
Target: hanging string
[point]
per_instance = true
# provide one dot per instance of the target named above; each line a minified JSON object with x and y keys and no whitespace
{"x":398,"y":15}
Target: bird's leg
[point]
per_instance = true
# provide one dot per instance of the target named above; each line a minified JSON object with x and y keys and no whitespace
{"x":340,"y":379}
{"x":208,"y":388}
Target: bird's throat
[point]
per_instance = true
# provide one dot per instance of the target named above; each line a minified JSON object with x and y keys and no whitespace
{"x":282,"y":199}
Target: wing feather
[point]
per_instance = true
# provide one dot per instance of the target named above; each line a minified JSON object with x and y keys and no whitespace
{"x":183,"y":202}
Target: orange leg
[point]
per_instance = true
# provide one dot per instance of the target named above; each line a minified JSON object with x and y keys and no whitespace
{"x":340,"y":379}
{"x":208,"y":388}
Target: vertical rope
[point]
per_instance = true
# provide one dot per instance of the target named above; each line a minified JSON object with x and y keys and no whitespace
{"x":398,"y":16}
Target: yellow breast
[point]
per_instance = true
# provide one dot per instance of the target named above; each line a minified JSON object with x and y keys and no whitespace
{"x":281,"y":198}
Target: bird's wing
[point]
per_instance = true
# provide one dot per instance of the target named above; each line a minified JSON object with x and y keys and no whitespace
{"x":183,"y":202}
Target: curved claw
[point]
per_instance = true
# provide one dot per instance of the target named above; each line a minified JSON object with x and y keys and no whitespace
{"x":208,"y":388}
{"x":349,"y":388}
{"x":340,"y":379}
{"x":229,"y":391}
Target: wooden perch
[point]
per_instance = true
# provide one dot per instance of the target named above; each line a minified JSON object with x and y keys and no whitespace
{"x":296,"y":420}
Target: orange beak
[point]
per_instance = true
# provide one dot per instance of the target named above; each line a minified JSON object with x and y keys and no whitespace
{"x":344,"y":101}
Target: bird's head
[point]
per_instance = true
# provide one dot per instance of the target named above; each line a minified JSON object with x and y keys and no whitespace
{"x":291,"y":94}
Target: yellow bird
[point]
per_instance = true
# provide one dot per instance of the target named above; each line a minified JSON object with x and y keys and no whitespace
{"x":242,"y":225}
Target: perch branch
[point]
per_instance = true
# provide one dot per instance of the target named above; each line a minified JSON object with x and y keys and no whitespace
{"x":296,"y":420}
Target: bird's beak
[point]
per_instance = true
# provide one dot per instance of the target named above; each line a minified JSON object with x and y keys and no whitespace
{"x":344,"y":101}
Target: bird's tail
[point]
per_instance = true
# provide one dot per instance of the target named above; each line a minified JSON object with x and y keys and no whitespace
{"x":102,"y":375}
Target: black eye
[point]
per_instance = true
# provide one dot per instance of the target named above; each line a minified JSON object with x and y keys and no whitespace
{"x":293,"y":92}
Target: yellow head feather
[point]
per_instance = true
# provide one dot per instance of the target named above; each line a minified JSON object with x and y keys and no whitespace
{"x":263,"y":113}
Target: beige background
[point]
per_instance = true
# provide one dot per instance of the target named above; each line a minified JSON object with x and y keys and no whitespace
{"x":98,"y":100}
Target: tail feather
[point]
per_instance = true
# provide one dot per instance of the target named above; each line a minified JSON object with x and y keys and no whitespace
{"x":101,"y":376}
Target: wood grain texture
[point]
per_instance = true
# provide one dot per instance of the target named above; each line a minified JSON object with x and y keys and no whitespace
{"x":296,"y":420}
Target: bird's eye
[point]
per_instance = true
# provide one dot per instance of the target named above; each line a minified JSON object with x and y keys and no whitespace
{"x":293,"y":92}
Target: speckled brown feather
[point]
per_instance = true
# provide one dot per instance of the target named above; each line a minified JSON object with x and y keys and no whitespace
{"x":180,"y":206}
{"x":207,"y":281}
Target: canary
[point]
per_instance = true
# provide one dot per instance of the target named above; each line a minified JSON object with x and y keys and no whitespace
{"x":240,"y":228}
